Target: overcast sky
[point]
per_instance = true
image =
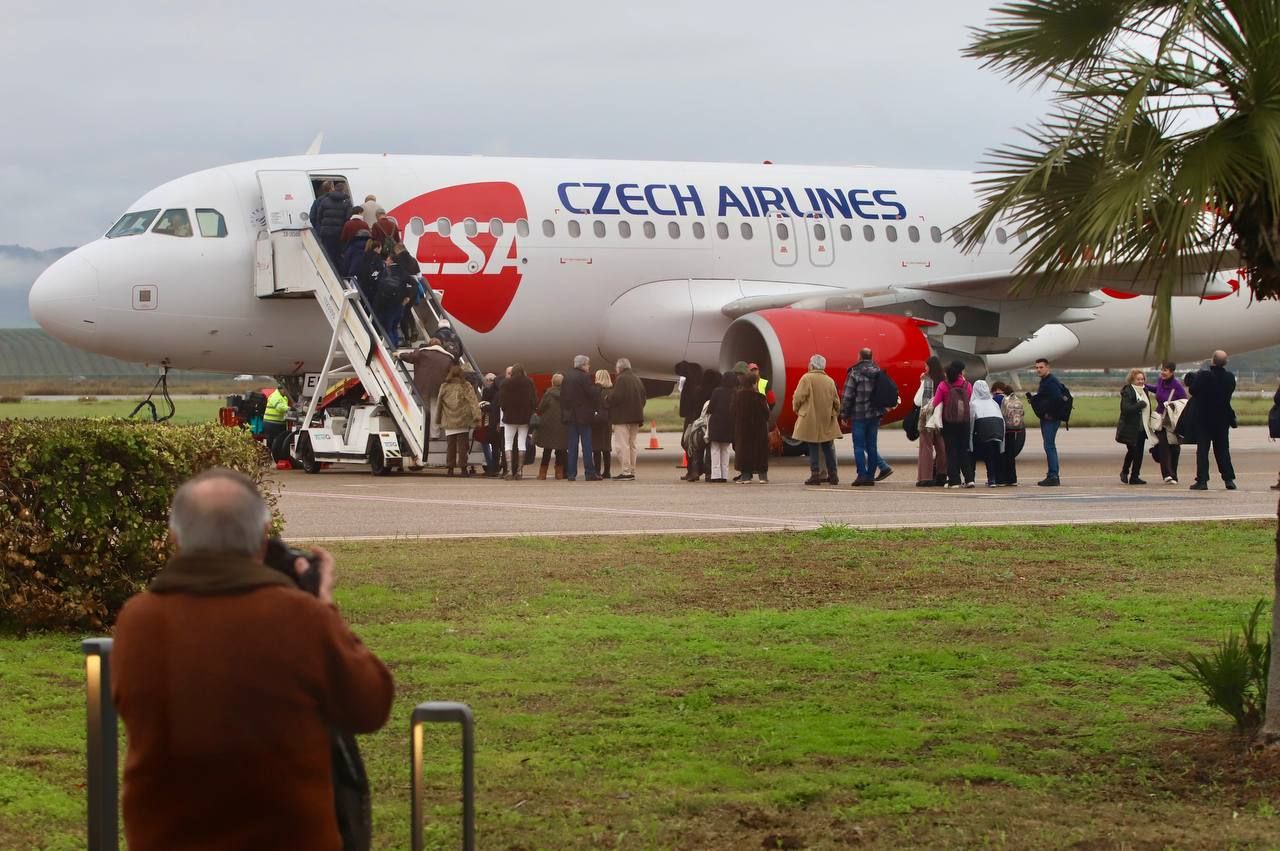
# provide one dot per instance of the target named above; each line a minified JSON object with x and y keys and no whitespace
{"x":103,"y":101}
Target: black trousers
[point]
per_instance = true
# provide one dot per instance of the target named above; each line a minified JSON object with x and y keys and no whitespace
{"x":1218,"y":435}
{"x":1132,"y":466}
{"x":1007,"y":472}
{"x":1168,"y":454}
{"x":959,"y":458}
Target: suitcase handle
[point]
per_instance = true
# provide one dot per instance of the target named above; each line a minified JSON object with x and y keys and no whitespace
{"x":443,"y":712}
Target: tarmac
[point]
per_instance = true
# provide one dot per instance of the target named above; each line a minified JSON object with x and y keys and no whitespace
{"x":348,"y":503}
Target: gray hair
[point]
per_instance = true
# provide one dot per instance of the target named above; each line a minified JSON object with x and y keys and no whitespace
{"x":579,"y":361}
{"x":817,"y":362}
{"x":557,"y":379}
{"x":219,"y":511}
{"x":623,"y":363}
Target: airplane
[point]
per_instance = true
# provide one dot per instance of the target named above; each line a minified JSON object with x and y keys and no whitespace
{"x":538,"y":260}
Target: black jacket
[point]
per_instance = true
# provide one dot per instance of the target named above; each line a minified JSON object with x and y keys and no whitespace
{"x":331,"y":214}
{"x":1212,"y":391}
{"x":720,"y":427}
{"x":369,"y":274}
{"x":691,"y":393}
{"x":579,"y":398}
{"x":518,"y":399}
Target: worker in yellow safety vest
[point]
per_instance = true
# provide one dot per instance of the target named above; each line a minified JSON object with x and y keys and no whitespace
{"x":762,"y":384}
{"x":273,"y":419}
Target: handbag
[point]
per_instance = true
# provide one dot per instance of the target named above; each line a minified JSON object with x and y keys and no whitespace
{"x":911,"y":425}
{"x":934,"y":422}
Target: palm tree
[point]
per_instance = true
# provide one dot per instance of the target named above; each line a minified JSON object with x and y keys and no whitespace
{"x":1160,"y":158}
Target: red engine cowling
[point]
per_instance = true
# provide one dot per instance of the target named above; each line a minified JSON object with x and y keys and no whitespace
{"x":782,"y":340}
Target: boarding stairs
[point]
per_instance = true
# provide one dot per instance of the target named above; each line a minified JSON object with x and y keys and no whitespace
{"x":358,"y":347}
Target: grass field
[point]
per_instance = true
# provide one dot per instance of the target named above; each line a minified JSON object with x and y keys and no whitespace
{"x":1005,"y":688}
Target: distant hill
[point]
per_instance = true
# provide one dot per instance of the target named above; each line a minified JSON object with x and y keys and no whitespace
{"x":19,"y":268}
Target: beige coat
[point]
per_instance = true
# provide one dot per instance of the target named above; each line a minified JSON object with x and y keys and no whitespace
{"x":817,"y":404}
{"x":457,"y":406}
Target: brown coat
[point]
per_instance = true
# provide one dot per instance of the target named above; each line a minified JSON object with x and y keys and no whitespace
{"x":457,"y":406}
{"x":227,"y":693}
{"x":430,"y":366}
{"x":750,"y":430}
{"x":816,"y":403}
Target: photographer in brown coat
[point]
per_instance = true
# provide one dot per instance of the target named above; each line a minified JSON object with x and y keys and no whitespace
{"x":229,"y":679}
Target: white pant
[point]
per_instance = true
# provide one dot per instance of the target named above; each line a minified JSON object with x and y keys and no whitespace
{"x":624,"y":444}
{"x":720,"y":460}
{"x":517,"y":434}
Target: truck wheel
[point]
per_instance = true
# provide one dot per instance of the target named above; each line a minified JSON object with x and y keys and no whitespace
{"x":306,"y":455}
{"x":377,"y":464}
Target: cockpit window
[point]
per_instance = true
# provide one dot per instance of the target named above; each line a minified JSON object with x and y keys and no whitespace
{"x":132,"y":223}
{"x":211,"y":223}
{"x":173,"y":223}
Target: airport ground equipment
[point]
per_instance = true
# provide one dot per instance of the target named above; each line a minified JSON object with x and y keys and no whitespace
{"x":358,"y":348}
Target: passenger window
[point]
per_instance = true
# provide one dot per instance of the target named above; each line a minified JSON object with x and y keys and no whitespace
{"x":913,"y":233}
{"x":132,"y":223}
{"x":173,"y":223}
{"x":820,"y":233}
{"x":443,"y":226}
{"x":935,"y":233}
{"x":548,"y":227}
{"x":673,"y":230}
{"x":868,"y":233}
{"x":624,"y":230}
{"x":891,"y":233}
{"x":722,"y":230}
{"x":1001,"y":236}
{"x":699,"y":232}
{"x":784,"y":233}
{"x":598,"y":228}
{"x":747,"y":232}
{"x":1022,"y":236}
{"x":846,"y":233}
{"x":417,"y":227}
{"x":522,"y":227}
{"x":469,"y":227}
{"x":649,"y":230}
{"x":211,"y":223}
{"x":575,"y":229}
{"x":495,"y":227}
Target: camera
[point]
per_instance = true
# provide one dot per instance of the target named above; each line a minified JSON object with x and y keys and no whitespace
{"x":280,"y":556}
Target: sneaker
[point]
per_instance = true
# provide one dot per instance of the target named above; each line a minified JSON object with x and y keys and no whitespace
{"x":764,"y":480}
{"x":738,"y":478}
{"x":992,"y":485}
{"x":884,"y":474}
{"x":1230,"y":484}
{"x":948,"y":485}
{"x":742,"y":481}
{"x":1199,"y":486}
{"x":969,"y":484}
{"x":1049,"y":482}
{"x":862,"y":482}
{"x":716,"y":481}
{"x":1169,"y":480}
{"x":1011,"y":484}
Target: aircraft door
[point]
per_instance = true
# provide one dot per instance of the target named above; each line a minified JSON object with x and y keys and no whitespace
{"x":280,"y":265}
{"x":821,"y":245}
{"x":782,"y":236}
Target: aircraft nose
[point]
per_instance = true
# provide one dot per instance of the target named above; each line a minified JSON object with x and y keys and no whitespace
{"x":63,"y":298}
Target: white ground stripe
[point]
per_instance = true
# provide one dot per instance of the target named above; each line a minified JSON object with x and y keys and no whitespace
{"x":542,"y":506}
{"x":803,"y":527}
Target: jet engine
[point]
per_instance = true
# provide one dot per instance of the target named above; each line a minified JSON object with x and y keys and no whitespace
{"x":782,"y":340}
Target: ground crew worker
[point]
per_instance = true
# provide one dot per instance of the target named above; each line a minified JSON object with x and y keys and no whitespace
{"x":273,"y":419}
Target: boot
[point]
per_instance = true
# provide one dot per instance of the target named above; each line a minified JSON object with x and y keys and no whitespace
{"x":814,"y":479}
{"x":542,"y":471}
{"x":559,"y":470}
{"x":516,"y":465}
{"x":511,"y":465}
{"x":832,"y":478}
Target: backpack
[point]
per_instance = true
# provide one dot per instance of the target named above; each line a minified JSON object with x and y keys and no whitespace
{"x":955,"y":405}
{"x":1014,"y":413}
{"x":1065,"y":404}
{"x":694,"y":441}
{"x":884,"y":393}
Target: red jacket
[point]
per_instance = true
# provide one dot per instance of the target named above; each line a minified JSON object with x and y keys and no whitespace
{"x":227,"y":694}
{"x":351,"y":228}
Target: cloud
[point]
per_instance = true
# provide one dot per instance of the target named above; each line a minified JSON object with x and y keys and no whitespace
{"x":180,"y":87}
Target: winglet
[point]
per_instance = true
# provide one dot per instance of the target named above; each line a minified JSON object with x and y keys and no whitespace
{"x":314,"y":147}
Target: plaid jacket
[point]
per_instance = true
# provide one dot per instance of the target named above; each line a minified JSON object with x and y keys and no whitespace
{"x":855,"y":401}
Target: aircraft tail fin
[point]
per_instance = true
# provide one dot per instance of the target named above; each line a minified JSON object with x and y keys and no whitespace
{"x":314,"y":147}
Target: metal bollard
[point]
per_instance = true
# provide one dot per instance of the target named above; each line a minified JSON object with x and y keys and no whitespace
{"x":102,"y":750}
{"x":443,"y":712}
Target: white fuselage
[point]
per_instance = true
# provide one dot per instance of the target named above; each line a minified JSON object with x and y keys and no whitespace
{"x":603,"y":258}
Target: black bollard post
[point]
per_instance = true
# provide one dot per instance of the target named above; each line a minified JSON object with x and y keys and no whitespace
{"x":102,"y":750}
{"x":443,"y":712}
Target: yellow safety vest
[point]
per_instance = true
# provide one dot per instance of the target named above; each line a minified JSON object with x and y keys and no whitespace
{"x":763,"y":386}
{"x":277,"y":408}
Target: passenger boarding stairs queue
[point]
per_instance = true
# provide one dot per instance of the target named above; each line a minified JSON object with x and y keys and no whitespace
{"x":290,"y":255}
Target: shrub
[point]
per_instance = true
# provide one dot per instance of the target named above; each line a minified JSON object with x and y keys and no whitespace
{"x":1234,"y":676}
{"x":84,"y":510}
{"x":10,"y":400}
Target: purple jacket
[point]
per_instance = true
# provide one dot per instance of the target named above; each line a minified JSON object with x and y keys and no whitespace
{"x":1168,"y":391}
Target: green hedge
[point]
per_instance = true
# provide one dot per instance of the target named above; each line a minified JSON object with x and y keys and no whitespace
{"x":84,"y":510}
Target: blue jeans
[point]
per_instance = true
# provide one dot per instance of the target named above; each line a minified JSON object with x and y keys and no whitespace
{"x":865,"y":456}
{"x":576,"y":433}
{"x":827,"y":450}
{"x":1049,"y":431}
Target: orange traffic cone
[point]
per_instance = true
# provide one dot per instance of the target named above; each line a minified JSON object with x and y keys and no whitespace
{"x":684,"y":461}
{"x":653,"y":435}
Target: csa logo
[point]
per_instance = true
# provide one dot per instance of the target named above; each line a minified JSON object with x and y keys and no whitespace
{"x":466,"y":245}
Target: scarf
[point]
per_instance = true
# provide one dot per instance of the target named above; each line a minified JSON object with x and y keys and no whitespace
{"x":215,"y":573}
